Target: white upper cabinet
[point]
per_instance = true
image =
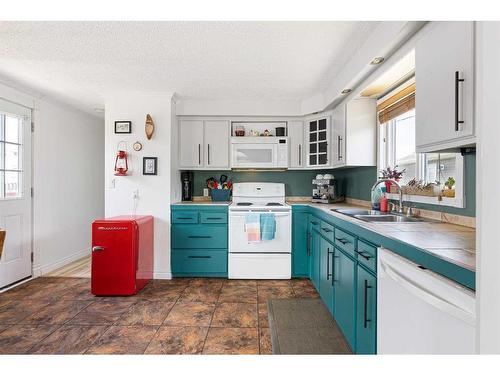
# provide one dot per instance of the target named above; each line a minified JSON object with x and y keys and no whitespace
{"x":296,"y":141}
{"x":354,"y":133}
{"x":317,"y":140}
{"x":444,"y":98}
{"x":204,"y":144}
{"x":216,"y":150}
{"x":191,"y":143}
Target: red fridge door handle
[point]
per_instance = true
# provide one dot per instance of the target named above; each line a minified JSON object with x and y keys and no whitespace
{"x":97,"y":248}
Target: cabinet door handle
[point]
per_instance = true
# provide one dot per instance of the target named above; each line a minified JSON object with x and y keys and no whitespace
{"x":314,"y":222}
{"x":326,"y":230}
{"x":457,"y":100}
{"x":208,"y":154}
{"x":363,"y":254}
{"x":199,"y":256}
{"x":300,"y":155}
{"x":308,"y":244}
{"x":199,"y":154}
{"x":199,"y":236}
{"x":343,"y":241}
{"x":213,"y":218}
{"x":328,"y":274}
{"x":339,"y":149}
{"x":365,"y":311}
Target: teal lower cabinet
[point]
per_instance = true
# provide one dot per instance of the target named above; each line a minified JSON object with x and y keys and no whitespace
{"x":199,"y":236}
{"x":325,"y":273}
{"x":344,"y":276}
{"x":300,"y":243}
{"x":315,"y":259}
{"x":366,"y":318}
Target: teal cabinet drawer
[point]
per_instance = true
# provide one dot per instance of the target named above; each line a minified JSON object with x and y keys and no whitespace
{"x":200,"y":236}
{"x":367,"y":255}
{"x":200,"y":262}
{"x":345,"y":241}
{"x":327,"y":230}
{"x":185,"y":217}
{"x":208,"y":217}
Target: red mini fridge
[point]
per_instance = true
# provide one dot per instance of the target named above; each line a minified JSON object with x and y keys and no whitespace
{"x":122,"y":255}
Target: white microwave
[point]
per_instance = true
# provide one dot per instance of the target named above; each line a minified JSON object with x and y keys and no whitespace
{"x":259,"y":152}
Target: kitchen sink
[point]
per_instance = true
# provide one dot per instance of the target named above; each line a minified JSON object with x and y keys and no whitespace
{"x":377,"y":216}
{"x":390,"y":218}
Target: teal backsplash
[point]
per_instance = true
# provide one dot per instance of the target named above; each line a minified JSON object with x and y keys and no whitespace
{"x":353,"y":183}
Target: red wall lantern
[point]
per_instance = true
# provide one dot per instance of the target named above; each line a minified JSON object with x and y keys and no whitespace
{"x":121,"y":163}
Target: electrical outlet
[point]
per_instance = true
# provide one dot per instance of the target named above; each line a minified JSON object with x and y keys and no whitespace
{"x":112,"y":183}
{"x":135,"y":194}
{"x":205,"y":192}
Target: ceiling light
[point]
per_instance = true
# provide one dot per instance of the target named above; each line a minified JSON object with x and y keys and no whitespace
{"x":345,"y":91}
{"x":377,"y":60}
{"x":99,"y":110}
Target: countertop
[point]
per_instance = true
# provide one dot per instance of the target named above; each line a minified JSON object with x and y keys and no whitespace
{"x":202,"y":203}
{"x":453,"y":243}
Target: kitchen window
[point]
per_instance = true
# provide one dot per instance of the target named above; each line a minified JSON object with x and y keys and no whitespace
{"x":10,"y":156}
{"x":397,"y":148}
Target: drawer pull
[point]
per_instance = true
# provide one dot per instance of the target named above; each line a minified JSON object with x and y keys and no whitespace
{"x":326,"y":230}
{"x":314,"y":223}
{"x":364,"y":254}
{"x":213,"y":218}
{"x":184,"y":218}
{"x":342,"y":240}
{"x":199,"y":236}
{"x":199,"y":256}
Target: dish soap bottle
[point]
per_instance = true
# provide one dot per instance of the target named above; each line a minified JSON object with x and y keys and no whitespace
{"x":384,"y":202}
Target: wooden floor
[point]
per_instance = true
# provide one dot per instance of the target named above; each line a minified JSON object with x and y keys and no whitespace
{"x":78,"y":268}
{"x":59,"y":315}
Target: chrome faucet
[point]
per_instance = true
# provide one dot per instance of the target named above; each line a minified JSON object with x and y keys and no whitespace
{"x":400,"y":209}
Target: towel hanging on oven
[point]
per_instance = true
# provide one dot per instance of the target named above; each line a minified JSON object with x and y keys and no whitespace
{"x":267,"y":226}
{"x":252,"y":226}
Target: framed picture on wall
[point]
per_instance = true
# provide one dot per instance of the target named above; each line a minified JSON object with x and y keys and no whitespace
{"x":150,"y":166}
{"x":123,"y":127}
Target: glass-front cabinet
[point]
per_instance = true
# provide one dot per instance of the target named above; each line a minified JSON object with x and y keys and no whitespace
{"x":317,"y":135}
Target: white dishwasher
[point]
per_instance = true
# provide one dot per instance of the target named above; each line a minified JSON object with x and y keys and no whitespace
{"x":421,"y":312}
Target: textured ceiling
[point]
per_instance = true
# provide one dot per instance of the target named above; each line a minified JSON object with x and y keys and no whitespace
{"x":81,"y":62}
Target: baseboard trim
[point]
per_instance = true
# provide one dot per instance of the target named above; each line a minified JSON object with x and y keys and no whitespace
{"x":47,"y":268}
{"x":162,"y":275}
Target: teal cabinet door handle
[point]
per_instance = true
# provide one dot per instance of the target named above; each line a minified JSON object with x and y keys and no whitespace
{"x":364,"y":254}
{"x":342,"y":240}
{"x":199,"y":256}
{"x":199,"y":236}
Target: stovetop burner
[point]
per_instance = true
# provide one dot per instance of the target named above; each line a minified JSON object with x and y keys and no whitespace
{"x":244,"y":204}
{"x":273,"y":204}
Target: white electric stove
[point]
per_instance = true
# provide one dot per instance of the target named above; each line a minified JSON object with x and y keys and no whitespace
{"x":263,"y":259}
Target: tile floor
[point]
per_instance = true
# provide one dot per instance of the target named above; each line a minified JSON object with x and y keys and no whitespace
{"x":59,"y":315}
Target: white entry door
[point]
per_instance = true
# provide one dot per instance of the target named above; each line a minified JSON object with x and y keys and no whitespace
{"x":15,"y":191}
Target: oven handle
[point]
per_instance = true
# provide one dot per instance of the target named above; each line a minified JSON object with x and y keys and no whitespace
{"x":242,"y":214}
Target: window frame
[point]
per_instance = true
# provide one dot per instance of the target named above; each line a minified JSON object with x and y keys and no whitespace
{"x":20,"y":145}
{"x":386,"y":157}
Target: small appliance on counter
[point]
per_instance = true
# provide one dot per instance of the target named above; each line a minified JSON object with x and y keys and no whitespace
{"x":326,"y":190}
{"x":187,"y":185}
{"x":122,"y":255}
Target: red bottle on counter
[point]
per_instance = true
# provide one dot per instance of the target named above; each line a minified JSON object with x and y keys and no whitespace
{"x":384,"y":202}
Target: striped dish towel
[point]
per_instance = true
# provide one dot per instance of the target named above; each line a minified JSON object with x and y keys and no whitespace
{"x":267,"y":227}
{"x":252,"y":226}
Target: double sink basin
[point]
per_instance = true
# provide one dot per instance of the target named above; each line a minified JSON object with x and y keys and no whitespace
{"x":377,"y":216}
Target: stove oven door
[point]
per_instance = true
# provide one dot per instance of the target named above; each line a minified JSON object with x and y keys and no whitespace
{"x":281,"y":243}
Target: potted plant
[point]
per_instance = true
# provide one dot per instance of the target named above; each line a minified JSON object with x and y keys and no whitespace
{"x":391,"y":174}
{"x":449,"y":190}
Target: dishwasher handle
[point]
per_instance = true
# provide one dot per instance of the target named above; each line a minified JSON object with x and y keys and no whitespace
{"x":425,"y":295}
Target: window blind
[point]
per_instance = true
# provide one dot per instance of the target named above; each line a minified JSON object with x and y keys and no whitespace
{"x":401,"y":102}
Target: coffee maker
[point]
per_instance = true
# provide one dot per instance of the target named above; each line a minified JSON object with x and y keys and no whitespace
{"x":325,"y":191}
{"x":187,"y":185}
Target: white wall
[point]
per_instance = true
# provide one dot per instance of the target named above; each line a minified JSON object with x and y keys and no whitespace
{"x":488,"y":180}
{"x":154,"y":191}
{"x":67,"y":179}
